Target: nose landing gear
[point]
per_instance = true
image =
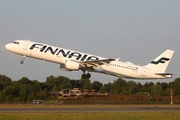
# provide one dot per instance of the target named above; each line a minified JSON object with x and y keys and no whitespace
{"x":22,"y":61}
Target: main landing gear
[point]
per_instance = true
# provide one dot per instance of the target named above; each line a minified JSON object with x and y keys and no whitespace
{"x":22,"y":61}
{"x":85,"y":76}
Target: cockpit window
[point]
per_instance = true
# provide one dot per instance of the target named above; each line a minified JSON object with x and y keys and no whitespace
{"x":16,"y":43}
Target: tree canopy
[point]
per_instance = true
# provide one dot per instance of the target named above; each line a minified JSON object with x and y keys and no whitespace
{"x":25,"y":89}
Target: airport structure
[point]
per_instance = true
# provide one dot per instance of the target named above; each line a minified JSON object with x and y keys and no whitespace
{"x":75,"y":93}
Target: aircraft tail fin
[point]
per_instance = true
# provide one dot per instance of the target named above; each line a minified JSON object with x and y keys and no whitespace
{"x":161,"y":62}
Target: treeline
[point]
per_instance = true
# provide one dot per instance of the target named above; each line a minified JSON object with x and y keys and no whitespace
{"x":28,"y":90}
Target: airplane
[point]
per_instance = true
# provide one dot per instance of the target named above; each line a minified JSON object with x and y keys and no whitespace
{"x":70,"y":60}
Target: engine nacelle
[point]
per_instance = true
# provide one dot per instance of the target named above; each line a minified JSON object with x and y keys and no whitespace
{"x":63,"y":67}
{"x":70,"y":65}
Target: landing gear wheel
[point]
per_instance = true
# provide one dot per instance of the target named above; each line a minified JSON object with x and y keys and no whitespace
{"x":88,"y":75}
{"x":83,"y":76}
{"x":22,"y":62}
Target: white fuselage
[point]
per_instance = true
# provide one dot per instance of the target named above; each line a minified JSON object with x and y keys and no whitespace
{"x":61,"y":55}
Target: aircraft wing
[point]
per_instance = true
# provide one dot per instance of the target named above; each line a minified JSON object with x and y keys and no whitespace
{"x":95,"y":63}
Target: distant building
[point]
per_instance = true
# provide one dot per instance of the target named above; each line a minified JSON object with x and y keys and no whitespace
{"x":76,"y":92}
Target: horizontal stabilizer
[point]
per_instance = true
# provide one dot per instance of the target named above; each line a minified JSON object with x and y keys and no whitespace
{"x":166,"y":75}
{"x":163,"y":73}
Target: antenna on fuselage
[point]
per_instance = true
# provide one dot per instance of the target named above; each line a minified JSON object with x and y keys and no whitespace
{"x":117,"y":59}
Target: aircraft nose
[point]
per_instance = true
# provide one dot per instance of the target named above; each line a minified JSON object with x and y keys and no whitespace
{"x":8,"y":46}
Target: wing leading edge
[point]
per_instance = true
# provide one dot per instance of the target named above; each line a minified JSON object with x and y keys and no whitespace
{"x":95,"y":63}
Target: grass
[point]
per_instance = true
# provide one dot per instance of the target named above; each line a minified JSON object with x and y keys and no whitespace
{"x":91,"y":116}
{"x":81,"y":106}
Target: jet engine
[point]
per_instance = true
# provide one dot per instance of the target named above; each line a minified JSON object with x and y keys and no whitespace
{"x":70,"y":66}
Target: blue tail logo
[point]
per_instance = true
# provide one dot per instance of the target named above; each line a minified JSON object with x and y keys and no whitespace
{"x":162,"y":60}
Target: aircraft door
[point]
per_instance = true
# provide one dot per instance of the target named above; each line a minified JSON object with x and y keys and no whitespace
{"x":25,"y":46}
{"x":143,"y":72}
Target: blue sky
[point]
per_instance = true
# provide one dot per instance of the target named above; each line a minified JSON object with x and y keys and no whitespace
{"x":132,"y":30}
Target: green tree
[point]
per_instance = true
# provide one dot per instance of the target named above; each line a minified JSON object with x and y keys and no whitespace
{"x":164,"y":86}
{"x":23,"y":93}
{"x":132,"y":87}
{"x":4,"y":81}
{"x":62,"y":83}
{"x":108,"y":87}
{"x":1,"y":86}
{"x":86,"y":84}
{"x":50,"y":82}
{"x":103,"y":89}
{"x":35,"y":87}
{"x":10,"y":92}
{"x":24,"y":80}
{"x":176,"y":86}
{"x":158,"y":89}
{"x":75,"y":84}
{"x":31,"y":97}
{"x":139,"y":87}
{"x":119,"y":85}
{"x":147,"y":87}
{"x":40,"y":95}
{"x":96,"y":85}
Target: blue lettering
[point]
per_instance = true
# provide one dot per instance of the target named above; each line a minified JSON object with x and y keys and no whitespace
{"x":63,"y":53}
{"x":68,"y":54}
{"x":75,"y":54}
{"x":84,"y":57}
{"x":51,"y":50}
{"x":34,"y":46}
{"x":43,"y":48}
{"x":92,"y":58}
